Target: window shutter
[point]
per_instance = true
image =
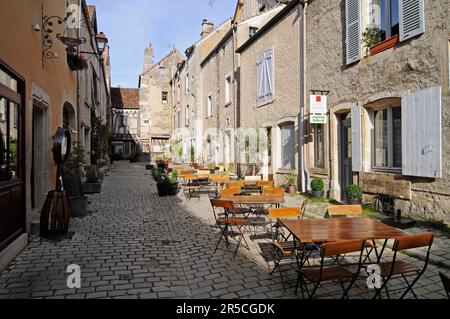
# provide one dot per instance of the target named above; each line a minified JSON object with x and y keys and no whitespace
{"x":353,"y":30}
{"x":412,"y":18}
{"x":269,"y":77}
{"x":421,"y":134}
{"x":356,"y":139}
{"x":260,"y":78}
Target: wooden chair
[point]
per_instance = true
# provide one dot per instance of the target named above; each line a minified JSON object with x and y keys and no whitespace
{"x":446,"y":282}
{"x":233,"y":191}
{"x":178,"y":168}
{"x":352,"y":211}
{"x":274,"y":192}
{"x":240,"y":184}
{"x":398,"y":268}
{"x":225,"y":220}
{"x":265,"y":184}
{"x":331,"y":272}
{"x":344,"y":210}
{"x":190,"y":187}
{"x":252,"y":178}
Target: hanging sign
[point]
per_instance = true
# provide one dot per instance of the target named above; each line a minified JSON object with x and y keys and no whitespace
{"x":318,"y":119}
{"x":318,"y":104}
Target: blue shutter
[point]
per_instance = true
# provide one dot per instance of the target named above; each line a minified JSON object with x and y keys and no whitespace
{"x":412,"y":18}
{"x":353,"y":30}
{"x":356,"y":139}
{"x":268,"y":60}
{"x":422,"y":134}
{"x":260,"y":78}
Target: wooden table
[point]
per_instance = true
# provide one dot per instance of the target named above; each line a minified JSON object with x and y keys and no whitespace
{"x":255,"y":200}
{"x":338,"y":229}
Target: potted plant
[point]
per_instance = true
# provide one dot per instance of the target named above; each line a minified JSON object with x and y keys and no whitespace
{"x":93,"y":183}
{"x":354,"y":194}
{"x":317,"y":187}
{"x":292,"y":183}
{"x":76,"y":62}
{"x":167,"y":185}
{"x":372,"y":40}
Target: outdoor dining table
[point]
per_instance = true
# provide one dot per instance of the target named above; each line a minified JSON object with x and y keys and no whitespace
{"x":340,"y":229}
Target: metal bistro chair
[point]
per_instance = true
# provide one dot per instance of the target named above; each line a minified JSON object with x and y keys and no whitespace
{"x":331,"y":272}
{"x":352,"y":211}
{"x":283,"y":247}
{"x":400,"y":268}
{"x":446,"y":282}
{"x":191,"y":187}
{"x":263,"y":211}
{"x":226,"y":220}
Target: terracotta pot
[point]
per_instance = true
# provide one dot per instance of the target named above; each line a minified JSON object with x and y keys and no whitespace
{"x":291,"y":189}
{"x":384,"y":45}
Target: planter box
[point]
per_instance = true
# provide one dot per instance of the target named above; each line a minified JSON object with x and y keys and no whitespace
{"x":354,"y":201}
{"x":384,"y":45}
{"x":167,"y":189}
{"x":318,"y":194}
{"x":92,"y":188}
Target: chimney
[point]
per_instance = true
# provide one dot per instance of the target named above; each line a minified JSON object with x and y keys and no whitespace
{"x":148,"y":57}
{"x":207,"y":28}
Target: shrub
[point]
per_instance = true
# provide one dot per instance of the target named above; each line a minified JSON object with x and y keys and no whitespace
{"x":317,"y":185}
{"x":354,"y":192}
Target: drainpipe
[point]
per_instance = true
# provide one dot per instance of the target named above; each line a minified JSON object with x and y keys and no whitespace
{"x":235,"y":103}
{"x":303,"y":130}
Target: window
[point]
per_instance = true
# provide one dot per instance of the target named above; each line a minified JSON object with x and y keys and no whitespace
{"x":288,"y":146}
{"x":165,"y":96}
{"x":186,"y":82}
{"x":228,"y":90}
{"x":209,"y":106}
{"x":162,"y":71}
{"x":388,"y":138}
{"x":186,"y":122}
{"x":252,"y":31}
{"x":123,"y":120}
{"x":319,"y":146}
{"x":95,"y":88}
{"x":385,"y":15}
{"x":265,"y":77}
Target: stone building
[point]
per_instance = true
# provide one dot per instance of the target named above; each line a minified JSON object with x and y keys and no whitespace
{"x":387,"y":127}
{"x":269,"y":95}
{"x":155,"y":103}
{"x":126,"y":124}
{"x":188,"y":97}
{"x":221,"y":74}
{"x":94,"y":100}
{"x":38,"y":94}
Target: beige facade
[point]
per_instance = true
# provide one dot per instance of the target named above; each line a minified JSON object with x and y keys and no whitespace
{"x":155,"y":103}
{"x":277,"y":114}
{"x":377,"y":87}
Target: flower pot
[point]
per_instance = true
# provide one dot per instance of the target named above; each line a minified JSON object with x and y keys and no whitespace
{"x":384,"y":45}
{"x":165,"y":189}
{"x":76,"y":62}
{"x":92,"y":188}
{"x":291,"y":189}
{"x":317,"y":194}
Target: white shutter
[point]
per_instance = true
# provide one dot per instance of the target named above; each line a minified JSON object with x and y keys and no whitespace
{"x":356,"y":139}
{"x":353,"y":30}
{"x":412,"y":18}
{"x":421,"y":134}
{"x":269,"y":75}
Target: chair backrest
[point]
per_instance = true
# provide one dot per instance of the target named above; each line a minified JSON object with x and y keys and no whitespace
{"x":252,"y":178}
{"x":342,"y":247}
{"x":178,"y":168}
{"x":233,"y":191}
{"x":285,"y":212}
{"x":219,"y":178}
{"x":235,"y":184}
{"x":203,"y":172}
{"x":190,"y":177}
{"x":185,"y":173}
{"x":269,"y":184}
{"x":345,"y":210}
{"x":413,"y":241}
{"x":274,"y":191}
{"x":446,"y":282}
{"x":219,"y":203}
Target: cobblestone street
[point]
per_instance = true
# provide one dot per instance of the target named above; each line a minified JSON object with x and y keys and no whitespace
{"x":135,"y":244}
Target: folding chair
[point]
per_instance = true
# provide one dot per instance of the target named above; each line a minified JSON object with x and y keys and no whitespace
{"x":331,"y":272}
{"x":265,"y":184}
{"x":191,"y":187}
{"x":446,"y":282}
{"x":283,"y":247}
{"x":398,"y":268}
{"x":226,"y":220}
{"x":240,"y":184}
{"x":352,"y":211}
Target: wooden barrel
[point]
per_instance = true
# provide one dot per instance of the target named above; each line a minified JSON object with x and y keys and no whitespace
{"x":55,"y":215}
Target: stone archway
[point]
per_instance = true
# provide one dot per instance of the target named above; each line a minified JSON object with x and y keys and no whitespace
{"x":69,"y":117}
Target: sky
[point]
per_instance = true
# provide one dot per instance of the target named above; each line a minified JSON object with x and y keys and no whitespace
{"x":132,"y":24}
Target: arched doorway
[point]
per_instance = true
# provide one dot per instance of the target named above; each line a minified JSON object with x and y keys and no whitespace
{"x":69,"y":117}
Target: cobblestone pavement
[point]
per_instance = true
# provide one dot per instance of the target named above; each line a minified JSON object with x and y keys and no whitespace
{"x":138,"y":245}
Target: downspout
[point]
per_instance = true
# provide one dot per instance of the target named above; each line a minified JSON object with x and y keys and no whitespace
{"x":235,"y":103}
{"x":303,"y":130}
